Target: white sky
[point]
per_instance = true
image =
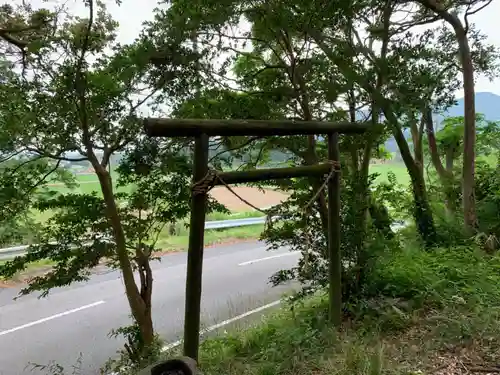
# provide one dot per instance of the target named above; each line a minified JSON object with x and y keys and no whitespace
{"x":132,"y":13}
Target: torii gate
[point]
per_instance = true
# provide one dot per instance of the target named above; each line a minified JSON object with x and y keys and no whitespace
{"x":204,"y":179}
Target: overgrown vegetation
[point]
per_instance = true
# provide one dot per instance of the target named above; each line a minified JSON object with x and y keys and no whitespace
{"x":72,"y":94}
{"x":423,"y":313}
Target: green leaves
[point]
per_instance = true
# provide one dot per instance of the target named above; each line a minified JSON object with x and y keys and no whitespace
{"x":76,"y":238}
{"x":24,"y":28}
{"x":79,"y":100}
{"x":449,"y":138}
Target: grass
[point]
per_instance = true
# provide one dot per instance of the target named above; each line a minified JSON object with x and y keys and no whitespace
{"x":43,"y":216}
{"x":89,"y":182}
{"x":401,"y":173}
{"x":398,"y":169}
{"x":31,"y":270}
{"x":212,"y":237}
{"x":432,"y":312}
{"x":178,"y":242}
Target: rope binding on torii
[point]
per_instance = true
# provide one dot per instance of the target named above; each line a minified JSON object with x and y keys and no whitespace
{"x":209,"y":181}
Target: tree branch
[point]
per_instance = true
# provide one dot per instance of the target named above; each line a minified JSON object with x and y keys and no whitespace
{"x":6,"y":35}
{"x":44,"y":177}
{"x":45,"y":154}
{"x":433,"y":149}
{"x":81,"y":87}
{"x":246,"y":143}
{"x":10,"y":156}
{"x":469,"y":12}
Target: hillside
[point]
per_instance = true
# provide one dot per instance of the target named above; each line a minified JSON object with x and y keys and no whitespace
{"x":487,"y":103}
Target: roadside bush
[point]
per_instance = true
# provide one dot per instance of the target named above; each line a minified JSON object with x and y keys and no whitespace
{"x":131,"y":358}
{"x":18,"y":230}
{"x":450,"y":226}
{"x":364,"y":237}
{"x":295,"y":340}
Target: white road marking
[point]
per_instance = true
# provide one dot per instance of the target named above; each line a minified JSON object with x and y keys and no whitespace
{"x":225,"y":323}
{"x":267,"y":258}
{"x":51,"y":317}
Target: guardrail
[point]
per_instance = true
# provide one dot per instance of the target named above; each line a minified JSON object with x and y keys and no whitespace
{"x":11,"y":252}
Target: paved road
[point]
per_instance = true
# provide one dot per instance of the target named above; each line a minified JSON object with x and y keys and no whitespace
{"x":78,"y":318}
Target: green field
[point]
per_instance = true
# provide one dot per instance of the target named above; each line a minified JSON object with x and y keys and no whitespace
{"x":89,"y":183}
{"x":398,"y":169}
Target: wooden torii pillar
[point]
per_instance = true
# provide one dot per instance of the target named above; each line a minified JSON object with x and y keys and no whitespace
{"x":201,"y":130}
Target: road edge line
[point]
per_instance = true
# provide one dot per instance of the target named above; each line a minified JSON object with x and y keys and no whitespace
{"x":218,"y":325}
{"x":224,"y":323}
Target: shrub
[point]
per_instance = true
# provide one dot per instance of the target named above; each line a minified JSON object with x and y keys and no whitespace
{"x":439,"y":277}
{"x":488,"y":198}
{"x":362,"y":240}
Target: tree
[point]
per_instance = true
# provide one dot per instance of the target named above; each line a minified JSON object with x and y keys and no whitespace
{"x":449,"y":13}
{"x":282,"y":76}
{"x":19,"y":188}
{"x":22,"y":28}
{"x":409,"y":84}
{"x":327,"y":61}
{"x":82,"y":96}
{"x":447,"y":145}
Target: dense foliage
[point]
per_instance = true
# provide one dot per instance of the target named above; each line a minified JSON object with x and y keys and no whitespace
{"x":72,"y":94}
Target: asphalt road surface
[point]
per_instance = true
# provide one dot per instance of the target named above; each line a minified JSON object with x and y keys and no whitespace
{"x":77,"y":319}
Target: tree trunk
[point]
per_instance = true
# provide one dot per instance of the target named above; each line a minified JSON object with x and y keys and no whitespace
{"x":359,"y":181}
{"x":416,"y":135}
{"x":449,"y":159}
{"x":316,"y":183}
{"x":468,"y":170}
{"x":445,"y":174}
{"x":139,"y":306}
{"x":299,"y":85}
{"x":433,"y":149}
{"x":146,"y":277}
{"x":451,"y":201}
{"x":422,"y":211}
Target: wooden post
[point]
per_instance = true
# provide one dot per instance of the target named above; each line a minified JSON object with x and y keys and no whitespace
{"x":238,"y":177}
{"x":159,"y":127}
{"x":335,"y":261}
{"x":201,"y":130}
{"x":195,"y":251}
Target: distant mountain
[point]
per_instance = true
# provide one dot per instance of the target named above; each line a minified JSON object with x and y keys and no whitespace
{"x":487,"y":103}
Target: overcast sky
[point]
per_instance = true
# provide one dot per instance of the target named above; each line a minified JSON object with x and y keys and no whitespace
{"x":132,"y":13}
